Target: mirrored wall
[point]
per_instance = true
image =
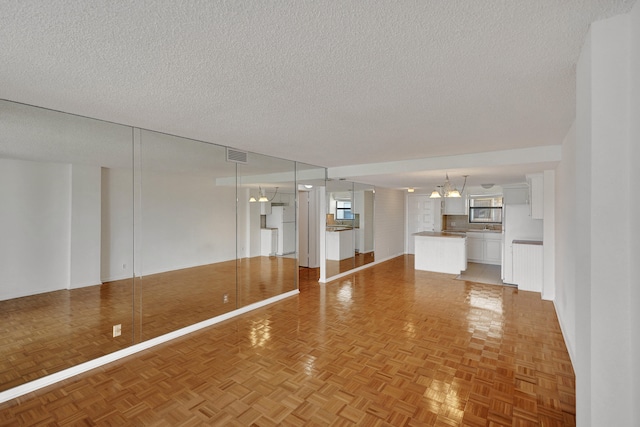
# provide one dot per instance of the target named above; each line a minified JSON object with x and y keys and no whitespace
{"x":349,"y":237}
{"x":113,"y":235}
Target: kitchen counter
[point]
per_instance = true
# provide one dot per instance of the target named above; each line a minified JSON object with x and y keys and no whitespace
{"x":336,"y":229}
{"x":440,"y":252}
{"x":527,"y":242}
{"x":471,"y":230}
{"x":339,"y":244}
{"x":448,"y":234}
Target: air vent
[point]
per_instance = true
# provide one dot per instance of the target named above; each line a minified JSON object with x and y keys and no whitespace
{"x":236,"y":156}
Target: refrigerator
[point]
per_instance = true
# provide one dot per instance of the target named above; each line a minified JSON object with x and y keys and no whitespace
{"x":516,"y":225}
{"x":283,"y":218}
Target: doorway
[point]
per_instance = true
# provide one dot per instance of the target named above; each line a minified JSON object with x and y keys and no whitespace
{"x":423,"y":214}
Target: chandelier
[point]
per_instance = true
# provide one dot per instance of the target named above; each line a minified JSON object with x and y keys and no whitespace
{"x":448,"y":190}
{"x":262,"y":198}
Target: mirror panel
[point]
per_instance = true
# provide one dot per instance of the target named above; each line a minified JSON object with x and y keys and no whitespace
{"x":266,"y":245}
{"x":186,"y":238}
{"x":349,"y":236}
{"x":311,"y":185}
{"x":364,"y":197}
{"x":339,"y":235}
{"x":66,"y":253}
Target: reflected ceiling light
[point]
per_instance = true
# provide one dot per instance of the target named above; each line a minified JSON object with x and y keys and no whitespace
{"x":308,"y":186}
{"x":448,"y":190}
{"x":262,"y":197}
{"x":410,"y":190}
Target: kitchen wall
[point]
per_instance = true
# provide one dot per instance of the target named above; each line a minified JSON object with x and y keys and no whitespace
{"x":604,"y":347}
{"x":86,"y":219}
{"x":35,"y":227}
{"x":634,"y":226}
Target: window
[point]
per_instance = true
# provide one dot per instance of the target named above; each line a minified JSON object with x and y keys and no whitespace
{"x":343,"y":210}
{"x":485,"y":209}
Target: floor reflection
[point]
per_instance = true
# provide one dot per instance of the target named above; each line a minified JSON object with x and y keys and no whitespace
{"x":336,"y":267}
{"x":46,"y":333}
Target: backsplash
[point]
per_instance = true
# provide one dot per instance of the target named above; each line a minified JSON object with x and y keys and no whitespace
{"x":461,"y":222}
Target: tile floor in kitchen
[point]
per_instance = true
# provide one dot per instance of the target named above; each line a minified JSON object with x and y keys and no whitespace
{"x":482,"y":273}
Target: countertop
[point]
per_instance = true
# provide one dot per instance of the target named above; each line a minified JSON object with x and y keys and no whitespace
{"x":527,"y":242}
{"x":457,"y":235}
{"x":472,"y":230}
{"x":337,"y":229}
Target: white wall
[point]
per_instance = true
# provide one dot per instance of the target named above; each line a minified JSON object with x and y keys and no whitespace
{"x":549,"y":235}
{"x":604,"y":138}
{"x":186,"y":221}
{"x":116,"y":225}
{"x":389,"y":223}
{"x":565,"y":217}
{"x":85,"y":225}
{"x":634,"y":227}
{"x":35,"y":211}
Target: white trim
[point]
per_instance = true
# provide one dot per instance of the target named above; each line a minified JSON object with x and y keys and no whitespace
{"x":355,"y":270}
{"x":564,"y":335}
{"x":112,"y":357}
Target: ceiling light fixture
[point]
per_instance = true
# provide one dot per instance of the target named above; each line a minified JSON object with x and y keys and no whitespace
{"x":262,"y":196}
{"x":410,"y":190}
{"x":448,"y":190}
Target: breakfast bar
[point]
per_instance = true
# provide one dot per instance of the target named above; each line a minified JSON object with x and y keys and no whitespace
{"x":440,"y":252}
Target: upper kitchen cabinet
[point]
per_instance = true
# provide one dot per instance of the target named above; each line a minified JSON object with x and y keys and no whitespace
{"x":536,"y":195}
{"x":455,"y":205}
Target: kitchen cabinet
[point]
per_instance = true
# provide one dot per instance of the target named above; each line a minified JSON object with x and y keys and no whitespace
{"x":441,"y":253}
{"x":536,"y":195}
{"x":493,"y":251}
{"x":268,"y":241}
{"x":484,"y":247}
{"x":455,"y":205}
{"x":475,"y":248}
{"x":339,"y":244}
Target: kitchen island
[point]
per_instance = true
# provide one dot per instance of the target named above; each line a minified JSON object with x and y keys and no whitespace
{"x":440,"y":252}
{"x":340,"y":244}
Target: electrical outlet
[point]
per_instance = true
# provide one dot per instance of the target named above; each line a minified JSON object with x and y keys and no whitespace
{"x":225,"y":298}
{"x":117,"y":330}
{"x":124,"y":266}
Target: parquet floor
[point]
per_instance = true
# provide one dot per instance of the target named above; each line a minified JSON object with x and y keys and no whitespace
{"x":386,"y":346}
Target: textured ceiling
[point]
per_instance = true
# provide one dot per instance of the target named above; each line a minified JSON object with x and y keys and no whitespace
{"x":330,"y":83}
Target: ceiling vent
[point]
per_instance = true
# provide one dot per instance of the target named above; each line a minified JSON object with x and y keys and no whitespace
{"x":237,"y":156}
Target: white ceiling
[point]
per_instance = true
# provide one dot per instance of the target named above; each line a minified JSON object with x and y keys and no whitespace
{"x":331,"y":83}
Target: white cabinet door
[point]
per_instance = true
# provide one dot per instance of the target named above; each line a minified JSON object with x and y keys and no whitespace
{"x":455,"y":205}
{"x":475,"y":249}
{"x":493,"y":251}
